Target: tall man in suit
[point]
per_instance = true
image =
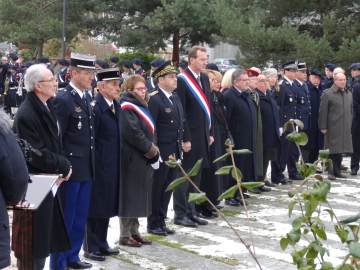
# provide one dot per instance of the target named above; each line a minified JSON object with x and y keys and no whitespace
{"x":77,"y":121}
{"x":107,"y":170}
{"x":194,"y":92}
{"x":168,"y":115}
{"x":287,"y":107}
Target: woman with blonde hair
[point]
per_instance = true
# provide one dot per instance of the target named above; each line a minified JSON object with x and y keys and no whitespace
{"x":226,"y":80}
{"x":272,"y":83}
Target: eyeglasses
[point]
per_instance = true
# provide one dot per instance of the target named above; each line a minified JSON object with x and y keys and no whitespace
{"x":214,"y":81}
{"x":50,"y":80}
{"x":244,"y":80}
{"x":261,"y":80}
{"x":141,"y":89}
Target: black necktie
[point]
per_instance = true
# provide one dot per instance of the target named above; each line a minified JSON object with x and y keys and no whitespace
{"x":112,"y":108}
{"x":174,"y":104}
{"x":84,"y":98}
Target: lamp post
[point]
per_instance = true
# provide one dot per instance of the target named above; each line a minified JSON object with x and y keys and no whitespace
{"x":64,"y":30}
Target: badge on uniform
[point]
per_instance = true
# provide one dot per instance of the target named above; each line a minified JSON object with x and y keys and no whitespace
{"x":302,"y":100}
{"x":167,"y":110}
{"x":290,"y":99}
{"x":79,"y":124}
{"x":78,"y":109}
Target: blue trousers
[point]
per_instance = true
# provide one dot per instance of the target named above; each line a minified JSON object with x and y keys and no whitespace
{"x":75,"y":199}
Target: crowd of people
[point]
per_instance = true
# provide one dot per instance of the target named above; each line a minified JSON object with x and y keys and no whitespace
{"x":109,"y":153}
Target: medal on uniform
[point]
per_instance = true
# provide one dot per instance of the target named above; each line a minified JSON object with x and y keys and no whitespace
{"x":167,"y":110}
{"x":78,"y":109}
{"x":79,"y":124}
{"x":290,"y":99}
{"x":302,"y":100}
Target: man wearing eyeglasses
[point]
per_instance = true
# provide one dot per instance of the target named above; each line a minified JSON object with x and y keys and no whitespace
{"x":37,"y":123}
{"x":77,"y":122}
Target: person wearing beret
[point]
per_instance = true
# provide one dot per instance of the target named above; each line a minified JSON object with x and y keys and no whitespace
{"x":126,"y":64}
{"x":106,"y":113}
{"x":182,"y":67}
{"x":113,"y":63}
{"x":355,"y":129}
{"x":167,"y":112}
{"x":136,"y":62}
{"x":212,"y":66}
{"x":63,"y":77}
{"x":355,"y":76}
{"x":13,"y":98}
{"x":77,"y":121}
{"x":5,"y":73}
{"x":287,"y":109}
{"x":154,"y":64}
{"x":45,"y":61}
{"x":328,"y":78}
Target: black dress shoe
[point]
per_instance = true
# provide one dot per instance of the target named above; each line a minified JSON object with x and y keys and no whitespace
{"x":199,"y":221}
{"x":80,"y":265}
{"x":239,"y":200}
{"x":157,"y":231}
{"x":282,"y":181}
{"x":219,"y":207}
{"x":185,"y":221}
{"x":340,"y":175}
{"x":296,"y":177}
{"x":269,"y":184}
{"x":109,"y":251}
{"x":95,"y":256}
{"x":353,"y":172}
{"x":232,"y":202}
{"x":206,"y":214}
{"x":264,"y":189}
{"x":246,"y":196}
{"x":167,"y":230}
{"x":255,"y":191}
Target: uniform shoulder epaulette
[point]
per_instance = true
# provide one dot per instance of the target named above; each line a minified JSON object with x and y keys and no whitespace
{"x":92,"y":103}
{"x":61,"y":93}
{"x":153,"y":93}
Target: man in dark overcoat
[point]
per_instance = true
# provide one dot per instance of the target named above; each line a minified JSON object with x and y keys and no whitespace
{"x":168,"y":115}
{"x":310,"y":151}
{"x":287,"y":107}
{"x":106,"y":113}
{"x":194,"y":92}
{"x":77,"y":121}
{"x":355,"y":130}
{"x":37,"y":123}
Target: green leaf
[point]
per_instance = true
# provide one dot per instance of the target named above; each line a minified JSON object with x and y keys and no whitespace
{"x":296,"y":224}
{"x":301,"y":169}
{"x":321,"y":233}
{"x":286,"y":126}
{"x":303,"y":139}
{"x":195,"y":170}
{"x":251,"y":185}
{"x":324,"y":154}
{"x":330,"y":166}
{"x":345,"y":267}
{"x":294,"y":137}
{"x":176,"y":183}
{"x":327,"y":266}
{"x":222,"y":158}
{"x":236,"y":174}
{"x":314,"y":203}
{"x":291,"y":193}
{"x":341,"y":233}
{"x":228,"y":193}
{"x":321,"y":192}
{"x":197,"y":197}
{"x":224,"y":170}
{"x":354,"y":229}
{"x":308,"y":208}
{"x":331,"y":213}
{"x":310,"y":169}
{"x":284,"y":243}
{"x":354,"y":249}
{"x":291,"y":207}
{"x":306,"y":231}
{"x":172,"y":164}
{"x":350,"y":219}
{"x":299,"y":123}
{"x":242,"y":152}
{"x":296,"y":257}
{"x":319,"y":249}
{"x":319,"y":222}
{"x":294,"y":235}
{"x":228,"y":142}
{"x":319,"y":177}
{"x":312,"y":253}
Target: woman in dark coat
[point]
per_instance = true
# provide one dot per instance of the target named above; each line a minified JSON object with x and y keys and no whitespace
{"x":138,"y":152}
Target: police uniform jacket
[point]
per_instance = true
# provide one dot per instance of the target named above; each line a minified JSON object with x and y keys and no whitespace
{"x":78,"y":134}
{"x":287,"y":98}
{"x":327,"y":82}
{"x":107,"y":160}
{"x":13,"y":183}
{"x":355,"y":129}
{"x":196,"y":123}
{"x":241,"y":118}
{"x":141,"y":72}
{"x":303,"y":107}
{"x":39,"y":127}
{"x":335,"y":115}
{"x":13,"y":80}
{"x":63,"y":79}
{"x":151,"y":84}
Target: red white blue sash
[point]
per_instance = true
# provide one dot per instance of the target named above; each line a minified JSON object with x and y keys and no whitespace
{"x":141,"y":112}
{"x":198,"y":94}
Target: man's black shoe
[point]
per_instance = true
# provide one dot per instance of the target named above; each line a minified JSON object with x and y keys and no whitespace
{"x":157,"y":231}
{"x":239,"y":200}
{"x":353,"y":172}
{"x":246,"y":196}
{"x":185,"y":221}
{"x":167,"y":230}
{"x":206,"y":214}
{"x":269,"y":184}
{"x":283,"y":181}
{"x":255,"y":190}
{"x":264,"y":189}
{"x":296,"y":177}
{"x":232,"y":202}
{"x":95,"y":256}
{"x":80,"y":265}
{"x":109,"y":251}
{"x":199,"y":221}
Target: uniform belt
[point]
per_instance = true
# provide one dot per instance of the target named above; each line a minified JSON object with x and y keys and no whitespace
{"x":13,"y":88}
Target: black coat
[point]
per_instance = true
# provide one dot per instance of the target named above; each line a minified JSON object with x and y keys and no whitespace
{"x":287,"y":97}
{"x":355,"y":128}
{"x":14,"y":178}
{"x":135,"y":184}
{"x":38,"y":126}
{"x":78,"y":133}
{"x":270,"y":121}
{"x":316,"y":138}
{"x":303,"y":107}
{"x":107,"y":160}
{"x":241,"y":118}
{"x":196,"y":123}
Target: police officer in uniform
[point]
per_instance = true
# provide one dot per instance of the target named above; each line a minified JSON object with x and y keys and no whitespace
{"x":13,"y":88}
{"x":353,"y":85}
{"x":63,"y":77}
{"x":126,"y":64}
{"x":328,"y":80}
{"x":287,"y":107}
{"x":113,"y":61}
{"x":154,"y":64}
{"x":73,"y":107}
{"x":303,"y":112}
{"x":107,"y":170}
{"x":167,"y":112}
{"x":5,"y":73}
{"x":45,"y":61}
{"x":136,"y":62}
{"x":355,"y":76}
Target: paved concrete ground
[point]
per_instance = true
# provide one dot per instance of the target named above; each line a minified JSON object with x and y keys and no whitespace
{"x":215,"y":246}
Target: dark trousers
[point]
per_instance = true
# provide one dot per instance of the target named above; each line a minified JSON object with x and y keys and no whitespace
{"x":39,"y":264}
{"x":182,"y":207}
{"x":75,"y":199}
{"x":336,"y":159}
{"x":355,"y":159}
{"x":278,"y":165}
{"x":95,"y":238}
{"x":310,"y":156}
{"x":266,"y":159}
{"x":293,"y":159}
{"x":160,"y":199}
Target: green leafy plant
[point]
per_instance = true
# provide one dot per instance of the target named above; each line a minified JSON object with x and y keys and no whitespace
{"x":201,"y":196}
{"x":311,"y":197}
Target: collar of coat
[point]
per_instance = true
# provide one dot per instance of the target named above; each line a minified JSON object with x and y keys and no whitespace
{"x":335,"y":89}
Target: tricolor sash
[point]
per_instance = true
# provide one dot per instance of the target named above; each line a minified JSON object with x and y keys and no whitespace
{"x":141,"y":112}
{"x":198,"y":94}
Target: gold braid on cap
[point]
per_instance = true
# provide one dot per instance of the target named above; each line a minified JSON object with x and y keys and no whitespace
{"x":167,"y":69}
